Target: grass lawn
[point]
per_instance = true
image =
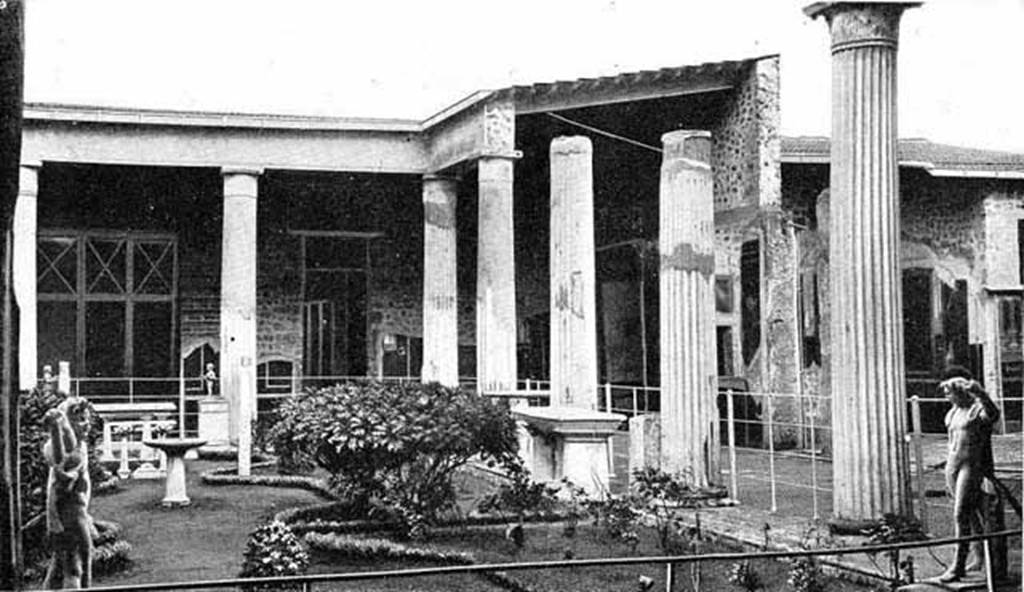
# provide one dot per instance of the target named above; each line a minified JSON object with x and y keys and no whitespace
{"x":199,"y":542}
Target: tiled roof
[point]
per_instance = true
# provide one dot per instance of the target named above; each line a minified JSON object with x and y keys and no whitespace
{"x":940,"y":160}
{"x":628,"y":86}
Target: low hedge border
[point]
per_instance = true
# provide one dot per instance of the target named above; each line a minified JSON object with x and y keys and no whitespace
{"x":327,"y":518}
{"x":226,"y":476}
{"x":378,"y":548}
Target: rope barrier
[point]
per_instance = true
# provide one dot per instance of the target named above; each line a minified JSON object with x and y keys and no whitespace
{"x":491,"y":567}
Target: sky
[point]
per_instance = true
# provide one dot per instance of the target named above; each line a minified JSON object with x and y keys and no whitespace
{"x":961,"y":62}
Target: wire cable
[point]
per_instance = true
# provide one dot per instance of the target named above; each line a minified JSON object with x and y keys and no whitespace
{"x":605,"y":133}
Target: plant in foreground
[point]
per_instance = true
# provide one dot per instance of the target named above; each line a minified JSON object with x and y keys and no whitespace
{"x":273,"y":550}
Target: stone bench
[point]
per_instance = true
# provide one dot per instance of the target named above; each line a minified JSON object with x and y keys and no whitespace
{"x":135,"y":422}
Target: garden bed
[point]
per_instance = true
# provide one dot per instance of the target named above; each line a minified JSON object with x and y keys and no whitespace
{"x":542,"y":542}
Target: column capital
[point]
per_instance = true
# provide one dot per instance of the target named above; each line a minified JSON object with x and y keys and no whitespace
{"x":693,"y":146}
{"x":28,"y":177}
{"x":571,"y":145}
{"x":505,"y":154}
{"x":863,"y":23}
{"x":252,"y":171}
{"x":438,"y":177}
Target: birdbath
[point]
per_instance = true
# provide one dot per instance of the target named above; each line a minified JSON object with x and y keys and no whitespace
{"x":175,"y":449}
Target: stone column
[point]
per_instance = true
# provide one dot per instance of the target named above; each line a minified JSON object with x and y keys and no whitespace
{"x":573,"y":303}
{"x":24,"y":270}
{"x":867,"y":383}
{"x":238,"y":307}
{"x":496,"y":277}
{"x":689,"y":414}
{"x":440,"y":295}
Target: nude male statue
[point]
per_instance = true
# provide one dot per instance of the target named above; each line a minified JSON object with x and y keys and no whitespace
{"x":968,"y":464}
{"x":68,"y":491}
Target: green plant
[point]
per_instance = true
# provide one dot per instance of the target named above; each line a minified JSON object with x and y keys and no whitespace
{"x":620,"y":518}
{"x":658,"y":494}
{"x":743,"y":575}
{"x":394,"y":445}
{"x":517,"y":497}
{"x":805,"y":575}
{"x":894,"y":528}
{"x":273,"y":550}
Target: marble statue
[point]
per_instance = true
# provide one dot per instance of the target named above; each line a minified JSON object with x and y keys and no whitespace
{"x":969,"y":468}
{"x":68,"y":491}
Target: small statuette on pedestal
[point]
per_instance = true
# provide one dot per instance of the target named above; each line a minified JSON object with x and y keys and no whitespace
{"x":210,"y":380}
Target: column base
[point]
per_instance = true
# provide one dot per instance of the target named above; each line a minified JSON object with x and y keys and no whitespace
{"x":214,"y":422}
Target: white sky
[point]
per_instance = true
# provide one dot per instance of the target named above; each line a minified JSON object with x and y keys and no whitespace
{"x":961,"y":75}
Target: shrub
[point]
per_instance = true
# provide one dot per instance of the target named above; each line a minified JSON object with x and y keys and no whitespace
{"x":396,"y":444}
{"x":274,"y":551}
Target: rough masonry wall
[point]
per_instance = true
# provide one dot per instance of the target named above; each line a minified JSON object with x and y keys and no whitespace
{"x":745,"y":144}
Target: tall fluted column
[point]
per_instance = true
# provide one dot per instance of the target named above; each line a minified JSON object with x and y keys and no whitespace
{"x":238,"y":307}
{"x":24,"y":270}
{"x":689,"y":415}
{"x":867,"y":383}
{"x":573,"y":302}
{"x":496,"y":277}
{"x":440,"y":295}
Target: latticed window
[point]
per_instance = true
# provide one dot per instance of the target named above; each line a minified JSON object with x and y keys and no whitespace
{"x":107,"y":302}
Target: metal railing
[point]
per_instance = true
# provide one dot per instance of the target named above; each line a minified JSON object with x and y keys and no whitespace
{"x":767,"y":438}
{"x":307,"y":583}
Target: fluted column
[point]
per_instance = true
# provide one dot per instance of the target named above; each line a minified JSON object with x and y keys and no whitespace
{"x":867,"y":382}
{"x":24,"y":271}
{"x":573,"y":303}
{"x":496,"y":276}
{"x":689,"y":416}
{"x":238,"y":307}
{"x":440,"y":296}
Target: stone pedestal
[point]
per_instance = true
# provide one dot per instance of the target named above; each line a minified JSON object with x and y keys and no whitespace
{"x":644,"y":442}
{"x":238,"y":307}
{"x":440,"y":295}
{"x":496,"y":277}
{"x":570,"y":443}
{"x":866,"y":329}
{"x":175,"y":493}
{"x":689,"y":412}
{"x":573,"y":299}
{"x":213,"y":422}
{"x":24,"y":274}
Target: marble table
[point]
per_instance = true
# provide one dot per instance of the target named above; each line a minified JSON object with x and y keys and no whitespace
{"x":175,"y":449}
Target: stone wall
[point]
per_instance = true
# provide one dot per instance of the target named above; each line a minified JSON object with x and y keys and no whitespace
{"x":745,"y":143}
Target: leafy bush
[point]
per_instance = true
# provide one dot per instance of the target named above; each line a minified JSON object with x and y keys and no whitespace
{"x":395,"y":444}
{"x":744,"y":576}
{"x":274,"y":551}
{"x":805,"y":575}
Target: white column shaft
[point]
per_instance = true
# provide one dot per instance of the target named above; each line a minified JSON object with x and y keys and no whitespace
{"x":238,"y":308}
{"x":440,"y":291}
{"x":689,"y":416}
{"x":24,"y":280}
{"x":866,"y":322}
{"x":496,"y":277}
{"x":573,"y":300}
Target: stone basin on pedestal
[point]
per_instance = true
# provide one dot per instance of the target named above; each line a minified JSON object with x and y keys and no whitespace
{"x":175,"y":449}
{"x":568,"y":443}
